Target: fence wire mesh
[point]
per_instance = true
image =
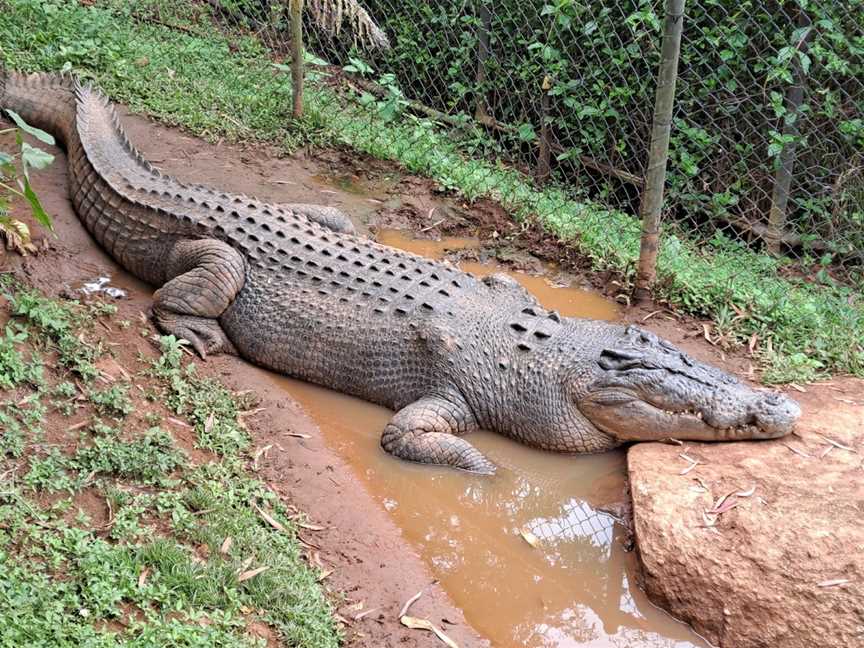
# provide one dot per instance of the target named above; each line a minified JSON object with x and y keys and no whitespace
{"x":768,"y":128}
{"x":767,"y":145}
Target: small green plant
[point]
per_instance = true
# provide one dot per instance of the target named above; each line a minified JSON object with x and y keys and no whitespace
{"x":113,"y":401}
{"x":49,"y":473}
{"x":14,"y":369}
{"x":16,"y":232}
{"x":64,"y":396}
{"x":150,"y":458}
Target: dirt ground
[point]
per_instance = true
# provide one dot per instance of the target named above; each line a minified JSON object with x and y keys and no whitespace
{"x":370,"y":561}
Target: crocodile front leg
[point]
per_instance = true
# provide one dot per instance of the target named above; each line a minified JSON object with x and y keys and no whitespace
{"x":428,"y":431}
{"x":204,"y":277}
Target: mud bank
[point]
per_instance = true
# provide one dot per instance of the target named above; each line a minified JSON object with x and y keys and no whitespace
{"x":373,"y":568}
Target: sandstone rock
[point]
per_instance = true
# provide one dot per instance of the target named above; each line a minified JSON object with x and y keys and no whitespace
{"x":780,"y":568}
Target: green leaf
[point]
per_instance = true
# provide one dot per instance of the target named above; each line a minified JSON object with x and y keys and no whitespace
{"x":805,"y":62}
{"x":27,"y":128}
{"x":5,"y":158}
{"x":36,"y":207}
{"x":526,"y":132}
{"x":35,"y":157}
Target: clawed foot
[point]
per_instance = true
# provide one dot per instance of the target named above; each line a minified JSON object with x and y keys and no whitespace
{"x":205,"y":335}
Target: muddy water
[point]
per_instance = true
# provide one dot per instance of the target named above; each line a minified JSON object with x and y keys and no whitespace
{"x":574,"y":588}
{"x":567,"y":300}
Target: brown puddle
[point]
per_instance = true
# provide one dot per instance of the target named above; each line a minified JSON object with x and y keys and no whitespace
{"x":574,"y":587}
{"x":567,"y":300}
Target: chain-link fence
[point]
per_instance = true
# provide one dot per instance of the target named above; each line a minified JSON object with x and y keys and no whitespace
{"x":767,"y":143}
{"x":548,"y":107}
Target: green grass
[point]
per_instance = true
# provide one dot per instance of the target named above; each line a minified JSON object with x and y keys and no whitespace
{"x":220,"y":85}
{"x":158,"y":571}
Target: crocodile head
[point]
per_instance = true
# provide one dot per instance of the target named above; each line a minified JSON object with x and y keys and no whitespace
{"x":643,"y":388}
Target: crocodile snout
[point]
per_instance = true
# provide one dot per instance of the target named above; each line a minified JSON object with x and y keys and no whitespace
{"x":775,"y":415}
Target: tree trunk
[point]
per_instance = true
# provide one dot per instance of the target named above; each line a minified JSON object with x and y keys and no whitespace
{"x":783,"y":175}
{"x":480,"y":113}
{"x":655,"y":176}
{"x":296,"y":8}
{"x":544,"y":168}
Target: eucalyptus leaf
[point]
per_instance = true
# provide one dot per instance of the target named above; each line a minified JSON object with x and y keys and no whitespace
{"x":35,"y":157}
{"x":39,"y":212}
{"x":31,"y":130}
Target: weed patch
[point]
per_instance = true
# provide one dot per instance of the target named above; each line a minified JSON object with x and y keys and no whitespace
{"x":110,"y":535}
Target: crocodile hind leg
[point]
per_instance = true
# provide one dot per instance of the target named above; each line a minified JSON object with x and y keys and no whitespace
{"x":328,"y":217}
{"x":427,"y":431}
{"x":204,"y":277}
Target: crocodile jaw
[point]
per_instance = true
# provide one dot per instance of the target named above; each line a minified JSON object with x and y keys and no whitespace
{"x":643,"y":388}
{"x":625,"y":416}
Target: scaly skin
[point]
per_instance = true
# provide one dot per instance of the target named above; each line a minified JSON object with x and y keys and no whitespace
{"x":291,"y":288}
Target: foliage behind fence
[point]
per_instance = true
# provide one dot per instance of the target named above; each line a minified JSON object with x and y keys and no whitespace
{"x":597,"y":62}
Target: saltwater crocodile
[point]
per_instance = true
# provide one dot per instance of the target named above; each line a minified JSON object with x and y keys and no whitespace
{"x":283,"y":287}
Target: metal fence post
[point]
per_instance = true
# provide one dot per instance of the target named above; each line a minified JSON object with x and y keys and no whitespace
{"x":296,"y":7}
{"x":655,"y":176}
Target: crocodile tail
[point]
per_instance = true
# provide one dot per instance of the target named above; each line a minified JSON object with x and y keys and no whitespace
{"x":43,"y":100}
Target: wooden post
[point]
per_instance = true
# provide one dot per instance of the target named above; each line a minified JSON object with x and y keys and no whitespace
{"x":544,"y":149}
{"x":786,"y":162}
{"x":296,"y":8}
{"x":480,"y":112}
{"x":655,"y":176}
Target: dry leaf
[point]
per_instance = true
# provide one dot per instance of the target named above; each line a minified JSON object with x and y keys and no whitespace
{"x":311,"y":527}
{"x":297,"y":435}
{"x":252,"y":573}
{"x":424,"y":624}
{"x":226,"y":545}
{"x":751,"y":345}
{"x":268,"y":518}
{"x":208,"y":424}
{"x":728,"y":505}
{"x":800,"y":453}
{"x":324,"y":574}
{"x":834,"y":583}
{"x":258,"y":454}
{"x":747,"y":493}
{"x":689,"y":468}
{"x":142,"y":577}
{"x":409,"y":603}
{"x":356,"y":607}
{"x":365,"y":614}
{"x":837,"y":444}
{"x":529,"y":537}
